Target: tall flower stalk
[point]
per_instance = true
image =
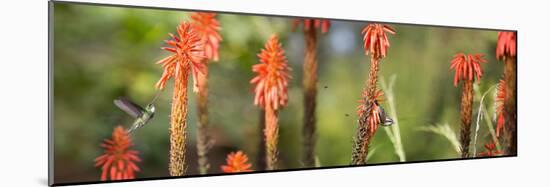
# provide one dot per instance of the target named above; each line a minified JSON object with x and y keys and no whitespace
{"x":271,"y":94}
{"x":468,"y":69}
{"x":499,"y":109}
{"x":310,"y":86}
{"x":260,"y":155}
{"x":118,"y":162}
{"x":187,"y":57}
{"x":376,"y":44}
{"x":207,"y":27}
{"x":506,"y":51}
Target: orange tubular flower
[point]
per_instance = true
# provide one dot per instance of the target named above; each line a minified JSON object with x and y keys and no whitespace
{"x":491,"y":150}
{"x":374,"y":118}
{"x":188,"y":55}
{"x":236,"y":162}
{"x":187,"y":49}
{"x":499,"y":100}
{"x":272,"y":76}
{"x":208,"y":27}
{"x":376,"y":44}
{"x":506,"y":45}
{"x":506,"y":51}
{"x":312,"y":24}
{"x":271,"y":92}
{"x":375,"y":39}
{"x":118,"y":161}
{"x":467,"y":66}
{"x":309,"y":82}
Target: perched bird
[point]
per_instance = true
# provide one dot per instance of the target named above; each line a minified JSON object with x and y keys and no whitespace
{"x":384,"y":119}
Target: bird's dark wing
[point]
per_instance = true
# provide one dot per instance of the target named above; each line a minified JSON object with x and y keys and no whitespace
{"x":381,"y":114}
{"x":128,"y":106}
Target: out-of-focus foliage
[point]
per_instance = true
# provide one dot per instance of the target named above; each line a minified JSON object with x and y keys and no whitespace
{"x":101,"y":53}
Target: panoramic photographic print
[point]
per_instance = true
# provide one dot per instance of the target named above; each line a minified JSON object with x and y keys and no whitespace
{"x":140,"y":93}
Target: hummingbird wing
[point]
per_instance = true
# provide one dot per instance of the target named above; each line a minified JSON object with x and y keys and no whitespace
{"x":129,"y":107}
{"x":384,"y":119}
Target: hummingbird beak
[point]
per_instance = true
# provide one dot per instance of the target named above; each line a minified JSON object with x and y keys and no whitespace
{"x":156,"y":97}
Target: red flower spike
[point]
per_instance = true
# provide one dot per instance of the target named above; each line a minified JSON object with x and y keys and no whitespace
{"x":118,"y":161}
{"x":491,"y":150}
{"x":467,"y":66}
{"x":208,"y":28}
{"x":272,"y":76}
{"x":375,"y":39}
{"x":506,"y":45}
{"x":236,"y":162}
{"x":188,"y":55}
{"x":312,"y":24}
{"x":374,"y":119}
{"x":499,"y":102}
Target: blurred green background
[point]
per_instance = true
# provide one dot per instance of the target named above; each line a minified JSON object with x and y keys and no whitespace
{"x":101,"y":53}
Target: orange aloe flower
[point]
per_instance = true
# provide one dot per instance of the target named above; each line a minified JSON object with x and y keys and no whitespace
{"x":187,"y":49}
{"x":506,"y":51}
{"x":374,"y":119}
{"x":236,"y":162}
{"x":506,"y":44}
{"x":309,"y":83}
{"x":270,"y":88}
{"x":272,"y":76}
{"x":208,"y":26}
{"x":500,"y":97}
{"x":467,"y":66}
{"x":375,"y":39}
{"x":187,"y":58}
{"x":312,"y":24}
{"x":118,"y":161}
{"x":491,"y":150}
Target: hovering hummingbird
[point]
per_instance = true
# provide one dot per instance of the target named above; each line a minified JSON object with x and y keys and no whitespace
{"x":142,"y":116}
{"x":384,"y":119}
